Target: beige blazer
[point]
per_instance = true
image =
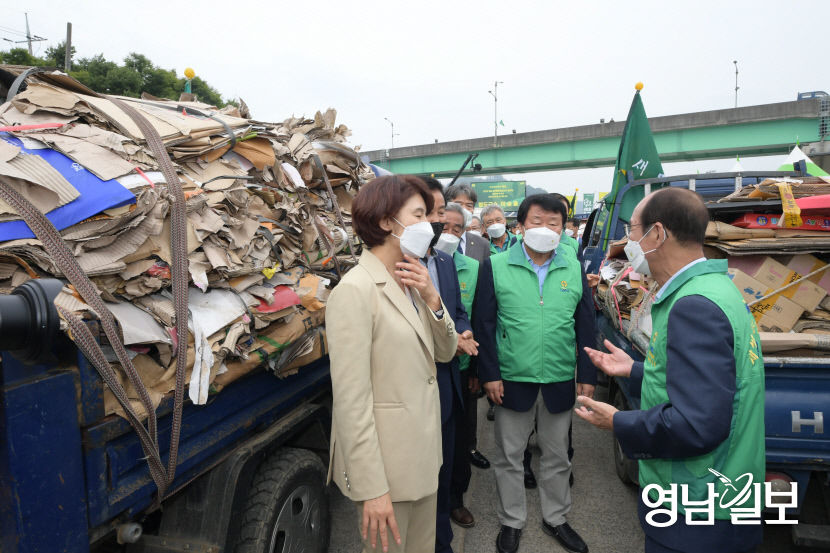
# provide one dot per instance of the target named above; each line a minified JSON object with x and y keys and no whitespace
{"x":386,"y":420}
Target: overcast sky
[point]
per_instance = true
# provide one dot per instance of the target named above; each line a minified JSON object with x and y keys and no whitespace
{"x":428,"y":65}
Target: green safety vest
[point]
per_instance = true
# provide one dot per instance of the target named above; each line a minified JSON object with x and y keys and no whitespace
{"x":494,"y":250}
{"x":743,"y":450}
{"x":571,"y":241}
{"x":536,"y":336}
{"x":467,"y":269}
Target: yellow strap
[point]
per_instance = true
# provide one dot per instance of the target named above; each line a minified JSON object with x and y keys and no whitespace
{"x":792,"y":213}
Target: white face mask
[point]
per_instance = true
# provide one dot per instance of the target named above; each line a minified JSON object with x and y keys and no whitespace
{"x":635,"y":254}
{"x":496,"y":230}
{"x":468,"y":218}
{"x":415,"y":238}
{"x":541,"y":239}
{"x":569,"y":232}
{"x":474,"y":232}
{"x":448,"y":243}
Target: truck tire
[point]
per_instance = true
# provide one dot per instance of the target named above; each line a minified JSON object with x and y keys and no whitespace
{"x":622,"y":464}
{"x":287,"y":508}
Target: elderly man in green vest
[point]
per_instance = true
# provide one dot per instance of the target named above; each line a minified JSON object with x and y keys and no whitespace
{"x":495,"y":224}
{"x":700,"y":426}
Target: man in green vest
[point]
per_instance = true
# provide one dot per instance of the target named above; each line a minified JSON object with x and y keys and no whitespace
{"x":495,"y":224}
{"x":700,"y":427}
{"x":533,"y":308}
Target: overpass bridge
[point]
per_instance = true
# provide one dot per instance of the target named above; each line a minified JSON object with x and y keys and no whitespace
{"x":767,"y":129}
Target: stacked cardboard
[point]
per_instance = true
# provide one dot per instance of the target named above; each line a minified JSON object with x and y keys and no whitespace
{"x":775,"y":260}
{"x":268,"y":224}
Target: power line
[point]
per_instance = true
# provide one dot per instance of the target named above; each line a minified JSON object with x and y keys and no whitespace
{"x":29,"y":37}
{"x":12,"y":31}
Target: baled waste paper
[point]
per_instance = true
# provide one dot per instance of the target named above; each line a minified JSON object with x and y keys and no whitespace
{"x":267,"y":228}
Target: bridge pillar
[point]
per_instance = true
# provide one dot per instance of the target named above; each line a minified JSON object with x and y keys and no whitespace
{"x":819,"y":152}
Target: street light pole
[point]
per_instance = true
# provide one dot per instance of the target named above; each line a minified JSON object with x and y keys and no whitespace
{"x":736,"y":82}
{"x":393,"y":130}
{"x":495,"y":94}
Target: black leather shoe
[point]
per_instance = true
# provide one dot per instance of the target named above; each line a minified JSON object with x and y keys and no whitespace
{"x":491,"y":413}
{"x":566,"y":536}
{"x":479,"y":460}
{"x":508,"y":540}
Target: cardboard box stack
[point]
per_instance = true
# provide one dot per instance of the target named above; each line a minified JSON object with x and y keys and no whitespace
{"x":265,"y":240}
{"x":775,"y":260}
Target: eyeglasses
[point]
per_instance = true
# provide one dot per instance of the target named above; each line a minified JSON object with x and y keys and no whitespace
{"x":627,"y":227}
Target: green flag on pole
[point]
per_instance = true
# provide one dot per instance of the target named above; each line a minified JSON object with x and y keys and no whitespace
{"x":637,"y":157}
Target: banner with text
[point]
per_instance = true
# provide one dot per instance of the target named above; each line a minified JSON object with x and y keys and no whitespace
{"x":587,"y":203}
{"x":508,"y":194}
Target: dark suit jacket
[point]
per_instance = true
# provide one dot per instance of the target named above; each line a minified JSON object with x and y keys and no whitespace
{"x":477,"y":247}
{"x":449,"y":378}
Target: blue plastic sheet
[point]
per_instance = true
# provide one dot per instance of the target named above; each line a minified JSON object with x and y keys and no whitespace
{"x":96,"y":195}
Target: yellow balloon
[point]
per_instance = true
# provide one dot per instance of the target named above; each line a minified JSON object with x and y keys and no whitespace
{"x":189,"y":73}
{"x":638,"y":86}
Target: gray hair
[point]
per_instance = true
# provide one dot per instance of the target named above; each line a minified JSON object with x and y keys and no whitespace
{"x":461,"y":188}
{"x":477,"y":218}
{"x":452,"y":206}
{"x":488,"y":209}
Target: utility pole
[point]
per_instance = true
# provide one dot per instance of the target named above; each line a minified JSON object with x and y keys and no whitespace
{"x":495,"y":94}
{"x":67,"y":60}
{"x":736,"y":82}
{"x":393,"y":130}
{"x":29,"y":37}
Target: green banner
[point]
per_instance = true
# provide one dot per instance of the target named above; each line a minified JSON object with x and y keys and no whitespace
{"x":508,"y":194}
{"x":587,"y":203}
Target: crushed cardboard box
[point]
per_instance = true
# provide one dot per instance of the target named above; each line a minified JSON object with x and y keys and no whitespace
{"x":265,"y":240}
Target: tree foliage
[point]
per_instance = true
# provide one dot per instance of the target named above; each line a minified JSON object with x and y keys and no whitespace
{"x":136,"y":75}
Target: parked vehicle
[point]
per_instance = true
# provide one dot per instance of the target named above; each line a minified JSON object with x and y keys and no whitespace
{"x":797,"y":388}
{"x":251,"y":474}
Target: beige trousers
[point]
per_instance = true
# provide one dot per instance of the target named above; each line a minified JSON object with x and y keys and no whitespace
{"x":416,"y":524}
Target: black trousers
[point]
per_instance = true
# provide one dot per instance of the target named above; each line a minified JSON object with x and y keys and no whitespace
{"x":443,"y":528}
{"x":466,"y":428}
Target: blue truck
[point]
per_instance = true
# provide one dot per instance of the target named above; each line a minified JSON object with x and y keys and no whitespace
{"x":251,"y":473}
{"x":797,"y":388}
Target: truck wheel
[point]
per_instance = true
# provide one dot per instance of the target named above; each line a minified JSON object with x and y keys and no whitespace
{"x":287,"y":508}
{"x":622,"y":464}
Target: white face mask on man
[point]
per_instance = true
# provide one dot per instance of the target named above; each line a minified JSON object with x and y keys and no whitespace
{"x":541,"y":239}
{"x":415,"y":238}
{"x":496,"y":230}
{"x":635,"y":254}
{"x":448,"y":243}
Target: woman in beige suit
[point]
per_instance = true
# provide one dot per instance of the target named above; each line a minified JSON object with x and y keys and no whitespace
{"x":386,"y":327}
